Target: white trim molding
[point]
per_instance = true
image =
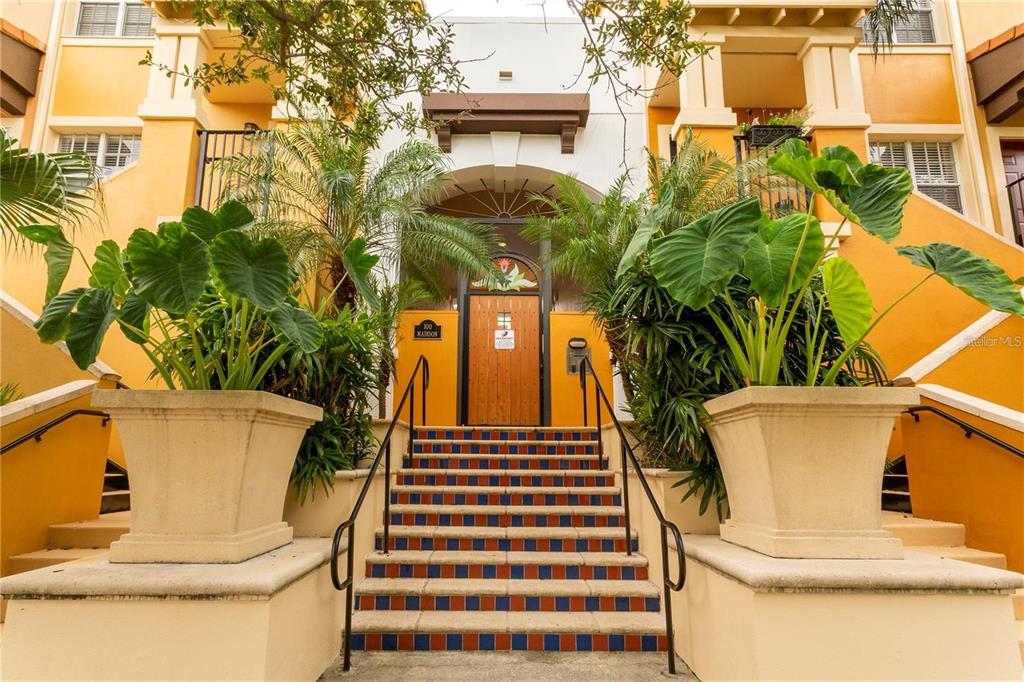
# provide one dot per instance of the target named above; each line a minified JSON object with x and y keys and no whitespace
{"x":44,"y":400}
{"x":963,"y":339}
{"x":943,"y":132}
{"x":993,"y":412}
{"x":24,"y":315}
{"x":106,"y":124}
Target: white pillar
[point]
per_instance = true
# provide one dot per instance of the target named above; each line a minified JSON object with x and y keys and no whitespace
{"x":833,"y":89}
{"x":702,"y":91}
{"x":178,"y":45}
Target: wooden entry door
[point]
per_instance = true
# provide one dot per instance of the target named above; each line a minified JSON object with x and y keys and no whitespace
{"x":504,"y":373}
{"x":1013,"y":164}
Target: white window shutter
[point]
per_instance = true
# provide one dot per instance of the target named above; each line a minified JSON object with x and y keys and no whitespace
{"x":98,"y":19}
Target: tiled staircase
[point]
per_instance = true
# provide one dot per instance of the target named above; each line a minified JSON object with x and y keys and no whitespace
{"x":506,"y":540}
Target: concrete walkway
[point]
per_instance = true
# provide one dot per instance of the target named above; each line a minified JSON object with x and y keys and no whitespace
{"x":564,"y":667}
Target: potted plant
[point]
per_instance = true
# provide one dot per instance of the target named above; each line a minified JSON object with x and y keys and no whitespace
{"x":803,"y":464}
{"x":775,"y":130}
{"x":211,"y":308}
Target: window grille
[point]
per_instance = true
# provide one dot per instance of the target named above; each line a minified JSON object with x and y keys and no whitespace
{"x":932,"y":166}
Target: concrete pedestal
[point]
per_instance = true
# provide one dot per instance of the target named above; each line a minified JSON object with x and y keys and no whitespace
{"x":744,"y":615}
{"x":275,"y":616}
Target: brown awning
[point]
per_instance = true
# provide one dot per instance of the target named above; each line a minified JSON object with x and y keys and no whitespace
{"x":529,"y":113}
{"x":997,"y":66}
{"x":19,"y":72}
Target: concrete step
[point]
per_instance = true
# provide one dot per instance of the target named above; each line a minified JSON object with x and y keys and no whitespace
{"x":505,"y":495}
{"x":49,"y":557}
{"x":504,"y":462}
{"x":896,"y":482}
{"x":495,"y":631}
{"x":414,"y":594}
{"x":485,"y":538}
{"x":99,"y":532}
{"x":916,"y":532}
{"x":115,"y":501}
{"x":510,"y":434}
{"x":507,"y":565}
{"x":115,"y":480}
{"x":496,"y":516}
{"x":967,"y":554}
{"x":510,"y":479}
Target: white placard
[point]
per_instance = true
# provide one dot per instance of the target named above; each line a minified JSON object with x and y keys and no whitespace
{"x":504,"y":339}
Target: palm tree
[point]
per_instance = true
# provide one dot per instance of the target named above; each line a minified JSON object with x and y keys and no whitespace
{"x":321,"y":191}
{"x":44,"y":189}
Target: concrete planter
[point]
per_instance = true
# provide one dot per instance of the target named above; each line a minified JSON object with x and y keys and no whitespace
{"x":803,"y":468}
{"x":209,"y":472}
{"x":319,"y":515}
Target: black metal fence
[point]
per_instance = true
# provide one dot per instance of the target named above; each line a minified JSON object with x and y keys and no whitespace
{"x":778,"y":195}
{"x":216,"y":147}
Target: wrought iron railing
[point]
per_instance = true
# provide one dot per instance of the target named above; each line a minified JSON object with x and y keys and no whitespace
{"x":215,"y":148}
{"x":422,"y":371}
{"x":666,"y":526}
{"x":1015,"y":193}
{"x":779,"y":196}
{"x":968,"y":429}
{"x":38,"y":433}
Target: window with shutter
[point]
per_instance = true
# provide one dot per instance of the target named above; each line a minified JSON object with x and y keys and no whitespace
{"x":121,"y":150}
{"x":109,"y":152}
{"x":919,"y":27}
{"x":932,"y":165}
{"x":98,"y":19}
{"x":88,"y":144}
{"x":127,"y":18}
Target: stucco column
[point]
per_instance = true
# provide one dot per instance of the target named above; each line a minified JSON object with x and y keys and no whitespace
{"x":179,"y":45}
{"x":702,"y":99}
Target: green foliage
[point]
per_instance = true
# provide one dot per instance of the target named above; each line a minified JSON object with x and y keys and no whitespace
{"x":39,"y":192}
{"x":217,"y":298}
{"x":881,"y":22}
{"x":336,"y":210}
{"x":979,"y":278}
{"x":9,"y":392}
{"x":340,"y":376}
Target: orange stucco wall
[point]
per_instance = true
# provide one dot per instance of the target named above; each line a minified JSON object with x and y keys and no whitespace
{"x":992,"y":368}
{"x":45,"y":367}
{"x":909,"y":88}
{"x":658,"y":116}
{"x":937,"y":311}
{"x":100,"y":81}
{"x":968,"y":481}
{"x":566,"y":401}
{"x":442,"y":355}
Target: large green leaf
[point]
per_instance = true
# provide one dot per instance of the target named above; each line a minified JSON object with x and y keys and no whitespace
{"x":358,"y":265}
{"x":978,"y":277}
{"x":256,"y":271}
{"x":298,"y":325}
{"x":134,"y":314}
{"x":870,"y":195}
{"x":52,"y":325}
{"x":772,"y":251}
{"x":108,"y":269}
{"x":696,"y":262}
{"x":170,"y":269}
{"x":89,"y":324}
{"x":206,"y":225}
{"x":650,"y":224}
{"x":40,"y":234}
{"x":848,"y":297}
{"x":58,"y":261}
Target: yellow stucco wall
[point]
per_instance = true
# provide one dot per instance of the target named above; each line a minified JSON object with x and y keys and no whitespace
{"x":45,"y":367}
{"x":937,"y":311}
{"x":909,"y":88}
{"x":992,"y":368}
{"x":566,"y":400}
{"x":967,"y":480}
{"x":984,"y":19}
{"x":100,"y":81}
{"x":658,"y":116}
{"x":442,"y":355}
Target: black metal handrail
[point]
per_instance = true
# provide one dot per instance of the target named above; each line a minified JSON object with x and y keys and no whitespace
{"x":350,"y":523}
{"x":37,"y":434}
{"x":969,"y":429}
{"x":666,"y":525}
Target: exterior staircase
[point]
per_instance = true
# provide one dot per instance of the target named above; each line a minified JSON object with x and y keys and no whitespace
{"x":946,"y":540}
{"x":506,"y":539}
{"x":73,"y":541}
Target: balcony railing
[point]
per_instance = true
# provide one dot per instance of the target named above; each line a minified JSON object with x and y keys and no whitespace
{"x":778,"y":195}
{"x":1015,"y":193}
{"x":216,"y":147}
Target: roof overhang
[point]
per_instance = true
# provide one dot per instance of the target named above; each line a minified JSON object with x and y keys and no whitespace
{"x":19,"y":71}
{"x":530,"y":113}
{"x":997,"y":67}
{"x":782,"y":13}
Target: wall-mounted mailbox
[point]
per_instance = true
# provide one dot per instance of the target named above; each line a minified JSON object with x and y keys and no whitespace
{"x":575,"y":351}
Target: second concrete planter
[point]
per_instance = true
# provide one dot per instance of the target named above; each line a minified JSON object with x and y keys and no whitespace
{"x":209,"y":472}
{"x":803,"y":468}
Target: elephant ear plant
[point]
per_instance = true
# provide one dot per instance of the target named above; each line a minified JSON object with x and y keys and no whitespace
{"x":781,"y":257}
{"x":209,"y":304}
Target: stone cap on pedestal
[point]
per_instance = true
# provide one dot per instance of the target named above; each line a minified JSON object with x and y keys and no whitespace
{"x":917,"y":572}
